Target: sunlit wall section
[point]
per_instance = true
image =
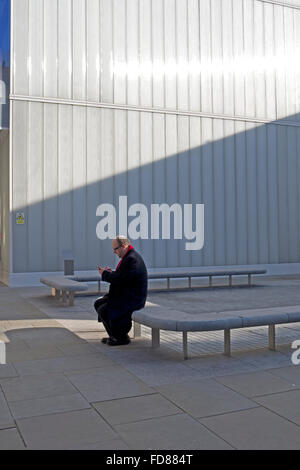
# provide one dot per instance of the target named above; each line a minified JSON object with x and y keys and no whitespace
{"x":232,"y":57}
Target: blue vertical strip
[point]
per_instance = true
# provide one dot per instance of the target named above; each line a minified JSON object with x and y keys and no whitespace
{"x":4,"y":62}
{"x":5,"y":31}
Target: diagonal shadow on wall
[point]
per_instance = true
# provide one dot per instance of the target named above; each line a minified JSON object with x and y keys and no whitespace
{"x":247,"y":180}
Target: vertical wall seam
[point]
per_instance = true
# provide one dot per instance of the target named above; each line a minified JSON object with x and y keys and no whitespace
{"x":57,"y":187}
{"x":243,"y":38}
{"x":139,"y":50}
{"x":275,"y":72}
{"x":86,"y":136}
{"x":253,"y":55}
{"x":43,"y":261}
{"x":57,"y":49}
{"x":100,"y":51}
{"x":43,"y":183}
{"x":113,"y":49}
{"x":151,"y":51}
{"x":199,"y":52}
{"x":72,"y":180}
{"x":164,"y":48}
{"x":72,"y":48}
{"x":222,"y":48}
{"x":210,"y":53}
{"x":126,"y":49}
{"x":11,"y":148}
{"x":165,"y":169}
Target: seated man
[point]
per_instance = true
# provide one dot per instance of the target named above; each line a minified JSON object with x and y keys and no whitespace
{"x":127,"y":292}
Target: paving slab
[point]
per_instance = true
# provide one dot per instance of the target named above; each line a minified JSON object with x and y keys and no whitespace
{"x":6,"y":419}
{"x":7,"y":370}
{"x":20,"y":350}
{"x":255,"y":383}
{"x":219,"y":364}
{"x":26,"y":355}
{"x":48,"y":405}
{"x":262,"y":358}
{"x":54,"y":334}
{"x":204,"y":397}
{"x":10,"y":439}
{"x":76,"y":349}
{"x":128,"y":410}
{"x":112,"y":444}
{"x":255,"y":429}
{"x":16,"y":309}
{"x":36,"y":386}
{"x":160,"y":372}
{"x":62,"y":364}
{"x":171,"y":432}
{"x":108,"y":383}
{"x":285,"y":404}
{"x":63,"y":430}
{"x":290,"y":374}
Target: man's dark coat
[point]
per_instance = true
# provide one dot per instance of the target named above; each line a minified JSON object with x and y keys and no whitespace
{"x":128,"y":286}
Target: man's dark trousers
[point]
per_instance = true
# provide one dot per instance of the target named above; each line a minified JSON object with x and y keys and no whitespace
{"x":118,"y":329}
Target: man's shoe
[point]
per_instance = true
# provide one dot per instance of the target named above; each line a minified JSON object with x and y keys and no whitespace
{"x":118,"y":342}
{"x":104,"y":340}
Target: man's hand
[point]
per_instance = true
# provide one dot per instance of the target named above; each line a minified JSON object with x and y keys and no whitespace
{"x":100,"y":269}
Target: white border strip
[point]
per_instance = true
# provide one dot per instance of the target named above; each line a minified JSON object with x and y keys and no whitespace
{"x":91,"y":104}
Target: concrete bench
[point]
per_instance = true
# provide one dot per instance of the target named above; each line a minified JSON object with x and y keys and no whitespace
{"x":207,"y":272}
{"x":63,"y":287}
{"x":68,"y":285}
{"x":163,"y":318}
{"x":210,"y":273}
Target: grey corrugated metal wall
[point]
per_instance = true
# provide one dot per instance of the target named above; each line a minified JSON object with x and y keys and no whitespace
{"x":4,"y":200}
{"x":212,"y":91}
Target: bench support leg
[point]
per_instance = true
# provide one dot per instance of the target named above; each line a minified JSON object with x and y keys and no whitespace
{"x":137,"y":330}
{"x":249,"y":279}
{"x":168,"y":283}
{"x":71,"y":299}
{"x":227,"y":349}
{"x":184,"y":344}
{"x":190,"y":282}
{"x":155,"y":337}
{"x":99,"y":288}
{"x":272,"y":345}
{"x":210,"y":281}
{"x":230,"y":280}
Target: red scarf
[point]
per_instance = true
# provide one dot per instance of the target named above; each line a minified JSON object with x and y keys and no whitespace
{"x":129,"y":249}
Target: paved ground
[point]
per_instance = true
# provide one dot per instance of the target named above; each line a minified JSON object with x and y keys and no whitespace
{"x":63,"y":389}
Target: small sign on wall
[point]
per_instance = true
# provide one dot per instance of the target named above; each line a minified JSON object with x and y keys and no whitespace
{"x":20,"y":218}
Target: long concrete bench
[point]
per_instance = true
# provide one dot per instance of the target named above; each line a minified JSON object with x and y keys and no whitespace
{"x":163,"y":318}
{"x":68,"y":285}
{"x":63,"y":287}
{"x":207,"y":272}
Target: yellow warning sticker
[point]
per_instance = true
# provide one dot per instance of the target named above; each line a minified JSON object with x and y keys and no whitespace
{"x":20,"y":218}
